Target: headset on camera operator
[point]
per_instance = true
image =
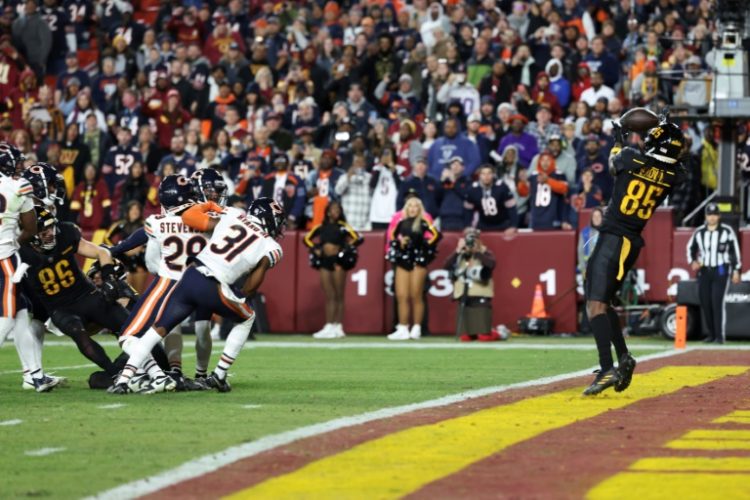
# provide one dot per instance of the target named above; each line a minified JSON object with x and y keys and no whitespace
{"x":471,"y":267}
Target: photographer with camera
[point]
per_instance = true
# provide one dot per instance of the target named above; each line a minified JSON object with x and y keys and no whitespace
{"x":471,"y":267}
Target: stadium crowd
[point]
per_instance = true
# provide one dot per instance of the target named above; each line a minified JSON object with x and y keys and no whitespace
{"x":495,"y":113}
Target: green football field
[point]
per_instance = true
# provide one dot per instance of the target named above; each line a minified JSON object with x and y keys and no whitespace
{"x":74,"y":441}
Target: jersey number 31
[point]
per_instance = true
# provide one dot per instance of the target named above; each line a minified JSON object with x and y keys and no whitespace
{"x":640,"y":199}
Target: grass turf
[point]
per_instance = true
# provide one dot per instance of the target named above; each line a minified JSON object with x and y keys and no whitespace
{"x":292,"y":388}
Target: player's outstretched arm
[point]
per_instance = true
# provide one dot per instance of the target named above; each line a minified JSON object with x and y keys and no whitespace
{"x":91,"y":251}
{"x":255,"y":279}
{"x":28,"y":226}
{"x":197,"y":216}
{"x":135,"y":240}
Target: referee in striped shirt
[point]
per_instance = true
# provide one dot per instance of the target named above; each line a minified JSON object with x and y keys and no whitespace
{"x":714,"y":253}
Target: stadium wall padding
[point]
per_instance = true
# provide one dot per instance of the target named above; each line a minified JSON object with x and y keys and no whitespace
{"x":295,"y":301}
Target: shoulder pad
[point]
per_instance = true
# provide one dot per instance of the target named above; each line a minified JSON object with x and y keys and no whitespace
{"x":24,"y":187}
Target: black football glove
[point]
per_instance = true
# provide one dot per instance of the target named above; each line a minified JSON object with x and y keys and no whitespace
{"x":110,"y":287}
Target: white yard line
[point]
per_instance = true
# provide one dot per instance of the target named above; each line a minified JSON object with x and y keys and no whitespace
{"x":113,"y":406}
{"x":251,"y":407}
{"x":209,"y":463}
{"x":53,"y":369}
{"x":8,"y":423}
{"x":43,"y":452}
{"x":540,"y":346}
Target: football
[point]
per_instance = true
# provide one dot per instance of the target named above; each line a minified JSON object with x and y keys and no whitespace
{"x":639,"y":120}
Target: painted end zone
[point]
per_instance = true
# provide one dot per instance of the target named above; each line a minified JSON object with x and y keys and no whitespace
{"x":549,"y":439}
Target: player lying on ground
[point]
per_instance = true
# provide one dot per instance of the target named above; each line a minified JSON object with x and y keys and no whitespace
{"x":61,"y":289}
{"x":242,"y":248}
{"x":643,"y":179}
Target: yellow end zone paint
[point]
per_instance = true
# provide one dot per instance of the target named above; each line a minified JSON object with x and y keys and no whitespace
{"x":717,"y":434}
{"x":690,"y":464}
{"x":685,"y":486}
{"x":739,"y":416}
{"x":708,"y":444}
{"x":402,"y":462}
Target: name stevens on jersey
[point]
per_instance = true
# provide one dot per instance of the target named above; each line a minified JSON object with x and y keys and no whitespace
{"x":175,"y":228}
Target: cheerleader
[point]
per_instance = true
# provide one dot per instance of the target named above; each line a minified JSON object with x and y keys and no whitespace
{"x":413,"y":246}
{"x":332,"y":251}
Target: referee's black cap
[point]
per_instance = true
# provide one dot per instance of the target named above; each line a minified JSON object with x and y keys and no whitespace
{"x":712,"y":209}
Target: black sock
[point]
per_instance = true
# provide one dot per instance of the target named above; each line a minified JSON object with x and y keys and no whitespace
{"x":95,"y":352}
{"x":160,"y":356}
{"x":603,"y":334}
{"x":617,"y":338}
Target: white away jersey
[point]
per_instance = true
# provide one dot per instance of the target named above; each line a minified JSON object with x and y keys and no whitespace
{"x":15,"y":199}
{"x":237,"y":246}
{"x":177,"y":242}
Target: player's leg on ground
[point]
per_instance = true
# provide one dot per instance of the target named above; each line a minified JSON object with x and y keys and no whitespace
{"x":25,"y":344}
{"x":235,"y":340}
{"x":37,"y":334}
{"x":203,"y":346}
{"x":72,"y":326}
{"x":173,"y":346}
{"x":6,"y":326}
{"x":705,"y":285}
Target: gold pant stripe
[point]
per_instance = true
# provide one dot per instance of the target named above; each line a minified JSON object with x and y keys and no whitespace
{"x":624,"y":252}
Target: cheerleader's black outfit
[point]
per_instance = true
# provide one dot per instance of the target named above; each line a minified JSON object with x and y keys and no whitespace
{"x":421,"y":247}
{"x":335,"y":233}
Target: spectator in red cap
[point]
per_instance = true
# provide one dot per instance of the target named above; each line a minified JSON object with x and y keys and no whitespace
{"x":169,"y":119}
{"x":542,"y":95}
{"x":582,"y":81}
{"x":185,"y":26}
{"x":218,"y":42}
{"x":547,"y":195}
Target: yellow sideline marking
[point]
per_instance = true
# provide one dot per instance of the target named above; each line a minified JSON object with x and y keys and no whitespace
{"x":682,"y":485}
{"x":739,"y":416}
{"x":403,"y":462}
{"x":709,"y":444}
{"x":689,"y":477}
{"x":689,"y":464}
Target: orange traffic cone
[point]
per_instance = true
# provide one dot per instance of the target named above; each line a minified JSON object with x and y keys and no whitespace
{"x":537,"y":305}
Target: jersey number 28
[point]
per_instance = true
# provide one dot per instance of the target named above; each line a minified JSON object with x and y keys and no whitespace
{"x":191,"y":248}
{"x":640,"y":199}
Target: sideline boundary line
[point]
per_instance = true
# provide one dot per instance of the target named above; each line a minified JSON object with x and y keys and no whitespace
{"x":209,"y":463}
{"x":499,"y":346}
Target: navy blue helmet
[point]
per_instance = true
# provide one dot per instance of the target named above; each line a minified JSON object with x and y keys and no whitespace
{"x":175,"y":191}
{"x":11,"y":159}
{"x":209,"y":185}
{"x":269,"y":215}
{"x":47,"y":183}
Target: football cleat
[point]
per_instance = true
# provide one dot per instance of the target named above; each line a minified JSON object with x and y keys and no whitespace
{"x":214,"y":382}
{"x":178,"y":378}
{"x":603,"y":380}
{"x":139,"y":383}
{"x":199,"y":384}
{"x":28,"y":383}
{"x":121,"y":388}
{"x":45,"y":383}
{"x":162,"y":383}
{"x":625,"y":368}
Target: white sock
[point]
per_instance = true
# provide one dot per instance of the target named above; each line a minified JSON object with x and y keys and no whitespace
{"x":6,"y":326}
{"x":38,"y":331}
{"x":25,"y":344}
{"x":235,"y":340}
{"x":173,"y":346}
{"x":139,"y":350}
{"x":203,"y":346}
